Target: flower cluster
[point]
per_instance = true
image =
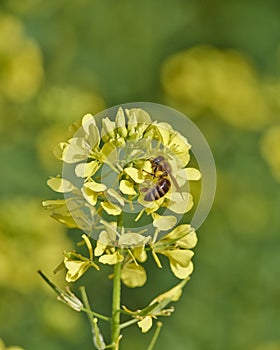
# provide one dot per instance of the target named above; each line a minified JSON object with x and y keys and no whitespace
{"x":120,"y":188}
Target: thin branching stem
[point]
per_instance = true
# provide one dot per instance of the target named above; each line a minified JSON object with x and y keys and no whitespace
{"x":155,"y":336}
{"x":88,"y":310}
{"x":128,"y":323}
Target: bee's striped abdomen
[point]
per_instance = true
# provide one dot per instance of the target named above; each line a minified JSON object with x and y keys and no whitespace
{"x":159,"y":190}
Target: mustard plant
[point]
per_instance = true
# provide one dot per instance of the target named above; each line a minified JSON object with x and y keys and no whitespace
{"x":125,"y":186}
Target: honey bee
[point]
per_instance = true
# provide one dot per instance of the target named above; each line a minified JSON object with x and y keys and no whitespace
{"x":161,"y":170}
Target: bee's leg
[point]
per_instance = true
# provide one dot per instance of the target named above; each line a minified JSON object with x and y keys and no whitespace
{"x":148,"y":172}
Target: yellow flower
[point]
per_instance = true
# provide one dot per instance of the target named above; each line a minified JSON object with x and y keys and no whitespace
{"x":156,"y":307}
{"x":77,"y":264}
{"x":176,"y":246}
{"x":118,"y":167}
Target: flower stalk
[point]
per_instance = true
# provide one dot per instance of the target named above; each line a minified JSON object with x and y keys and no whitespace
{"x":116,"y":304}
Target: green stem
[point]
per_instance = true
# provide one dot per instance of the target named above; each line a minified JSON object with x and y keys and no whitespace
{"x":128,"y":323}
{"x":155,"y":336}
{"x":88,"y":310}
{"x":96,"y":314}
{"x":87,"y":305}
{"x":116,"y":304}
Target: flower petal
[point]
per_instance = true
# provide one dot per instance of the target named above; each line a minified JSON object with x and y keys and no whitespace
{"x":76,"y":268}
{"x":140,"y":254}
{"x":95,"y":186}
{"x":91,"y":130}
{"x":141,"y":116}
{"x":110,"y":208}
{"x":77,"y":149}
{"x":179,"y":256}
{"x":120,"y":123}
{"x":126,"y":187}
{"x":180,"y":203}
{"x":172,"y":294}
{"x":145,"y":324}
{"x":184,"y":235}
{"x":111,"y":259}
{"x":164,"y":130}
{"x":132,"y":239}
{"x":193,"y":174}
{"x":108,"y":129}
{"x":182,"y":272}
{"x":108,"y":153}
{"x":59,"y":149}
{"x":135,"y":174}
{"x":114,"y":194}
{"x":89,"y":195}
{"x":87,"y":169}
{"x":165,"y":222}
{"x":133,"y":275}
{"x":104,"y":240}
{"x":60,"y":185}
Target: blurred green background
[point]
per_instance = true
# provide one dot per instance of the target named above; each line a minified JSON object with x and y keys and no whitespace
{"x":216,"y":61}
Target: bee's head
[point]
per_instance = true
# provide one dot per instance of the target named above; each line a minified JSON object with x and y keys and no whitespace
{"x":158,"y":159}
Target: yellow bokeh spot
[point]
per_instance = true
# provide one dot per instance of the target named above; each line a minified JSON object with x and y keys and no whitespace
{"x":21,"y":67}
{"x":27,"y":241}
{"x":270,"y":148}
{"x":62,"y":104}
{"x":204,"y":78}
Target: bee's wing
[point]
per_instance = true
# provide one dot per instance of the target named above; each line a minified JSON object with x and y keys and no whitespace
{"x":174,"y":181}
